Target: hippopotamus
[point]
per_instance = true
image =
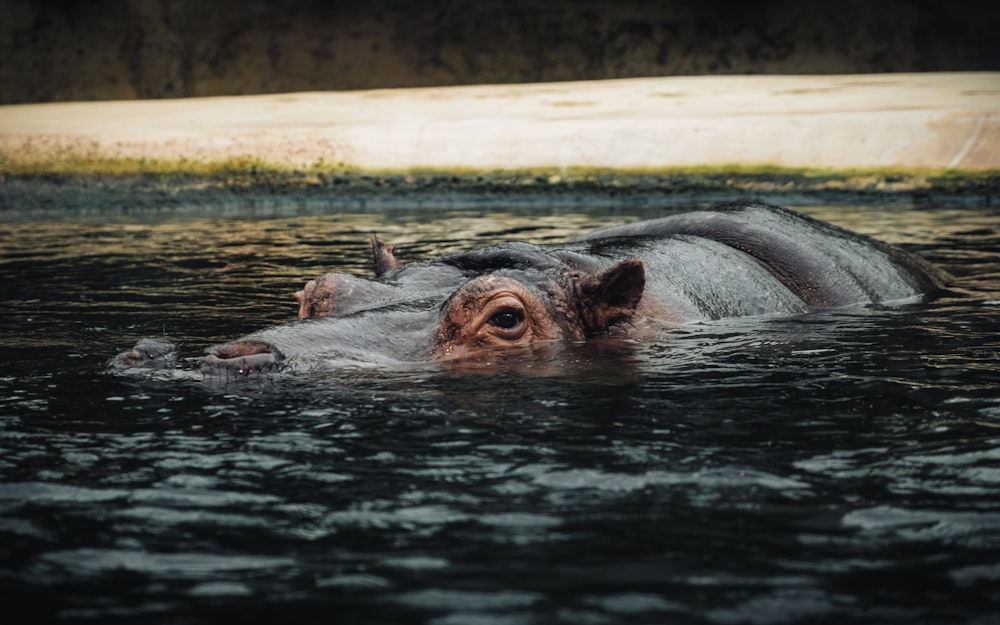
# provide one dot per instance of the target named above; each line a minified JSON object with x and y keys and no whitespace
{"x":733,"y":260}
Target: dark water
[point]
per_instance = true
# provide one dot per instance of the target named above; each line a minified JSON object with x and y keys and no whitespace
{"x":829,"y":468}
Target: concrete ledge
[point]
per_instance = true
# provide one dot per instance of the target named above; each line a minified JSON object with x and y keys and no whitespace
{"x":945,"y":121}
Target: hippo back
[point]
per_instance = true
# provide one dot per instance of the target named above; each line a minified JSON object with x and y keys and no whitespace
{"x":820,"y":263}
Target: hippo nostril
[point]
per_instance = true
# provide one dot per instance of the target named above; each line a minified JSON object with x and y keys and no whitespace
{"x":152,"y":353}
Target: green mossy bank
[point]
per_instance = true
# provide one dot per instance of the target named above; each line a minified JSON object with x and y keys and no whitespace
{"x":136,"y":183}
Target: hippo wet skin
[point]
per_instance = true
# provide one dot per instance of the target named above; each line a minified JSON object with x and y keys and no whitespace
{"x":733,"y":260}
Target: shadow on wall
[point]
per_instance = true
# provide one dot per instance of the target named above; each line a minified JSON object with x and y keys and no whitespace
{"x":107,"y":49}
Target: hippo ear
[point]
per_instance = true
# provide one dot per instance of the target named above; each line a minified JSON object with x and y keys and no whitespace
{"x":612,"y":296}
{"x":382,"y":254}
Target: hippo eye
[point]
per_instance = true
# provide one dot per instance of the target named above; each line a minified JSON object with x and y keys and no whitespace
{"x":507,"y":320}
{"x":503,"y":319}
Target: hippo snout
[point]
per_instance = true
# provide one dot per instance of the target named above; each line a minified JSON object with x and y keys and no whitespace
{"x":147,"y":353}
{"x":243,"y":358}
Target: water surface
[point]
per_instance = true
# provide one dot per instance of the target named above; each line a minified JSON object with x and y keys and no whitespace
{"x":841,"y":466}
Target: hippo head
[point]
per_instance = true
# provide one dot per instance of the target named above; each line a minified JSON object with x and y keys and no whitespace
{"x":512,"y":294}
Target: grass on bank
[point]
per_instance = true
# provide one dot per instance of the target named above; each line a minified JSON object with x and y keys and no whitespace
{"x":255,"y":172}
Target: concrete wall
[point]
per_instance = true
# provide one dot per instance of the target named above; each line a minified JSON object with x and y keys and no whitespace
{"x":125,"y":49}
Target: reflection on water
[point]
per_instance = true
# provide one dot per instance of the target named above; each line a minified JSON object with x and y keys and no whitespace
{"x":838,"y":466}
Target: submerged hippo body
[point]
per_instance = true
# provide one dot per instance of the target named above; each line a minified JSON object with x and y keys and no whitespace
{"x":731,"y":261}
